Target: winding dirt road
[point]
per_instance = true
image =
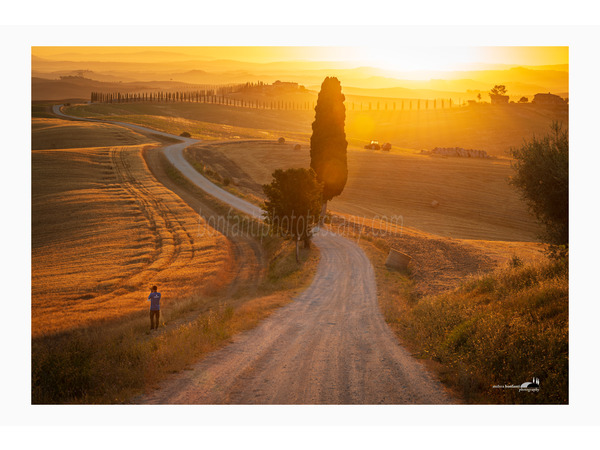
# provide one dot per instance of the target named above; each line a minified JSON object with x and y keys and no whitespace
{"x":330,"y":346}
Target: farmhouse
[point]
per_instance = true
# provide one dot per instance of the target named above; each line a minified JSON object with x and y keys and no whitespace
{"x":498,"y":99}
{"x":548,"y":99}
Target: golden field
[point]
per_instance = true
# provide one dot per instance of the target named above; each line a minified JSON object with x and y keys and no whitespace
{"x":104,"y":230}
{"x":50,"y":133}
{"x":107,"y":223}
{"x":493,"y":128}
{"x":475,"y":199}
{"x":479,"y":225}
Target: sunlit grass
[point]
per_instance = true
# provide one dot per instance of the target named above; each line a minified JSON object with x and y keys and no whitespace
{"x":502,"y":328}
{"x":482,"y":127}
{"x":104,"y":230}
{"x":112,"y":361}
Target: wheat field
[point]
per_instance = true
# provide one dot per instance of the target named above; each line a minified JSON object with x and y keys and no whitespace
{"x":474,"y":199}
{"x":104,"y":231}
{"x":494,"y":129}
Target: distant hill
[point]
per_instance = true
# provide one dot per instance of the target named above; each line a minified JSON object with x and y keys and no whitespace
{"x":151,"y":68}
{"x":81,"y":87}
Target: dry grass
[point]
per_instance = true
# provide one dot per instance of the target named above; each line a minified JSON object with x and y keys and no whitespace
{"x":491,"y":128}
{"x":48,"y":133}
{"x":438,"y":264}
{"x":216,"y":121}
{"x":475,"y":202}
{"x":499,"y":328}
{"x":103,"y":231}
{"x":475,"y":199}
{"x":484,"y":127}
{"x":164,"y":118}
{"x":113,"y":363}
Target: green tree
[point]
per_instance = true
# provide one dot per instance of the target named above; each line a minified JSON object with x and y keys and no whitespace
{"x":293,"y":204}
{"x":542,"y":175}
{"x":328,"y":143}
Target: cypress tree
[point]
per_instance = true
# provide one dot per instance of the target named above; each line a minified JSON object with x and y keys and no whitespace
{"x":328,"y":143}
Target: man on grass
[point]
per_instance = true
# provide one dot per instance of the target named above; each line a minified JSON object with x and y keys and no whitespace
{"x":154,"y":299}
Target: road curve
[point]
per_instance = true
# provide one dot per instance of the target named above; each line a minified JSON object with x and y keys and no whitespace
{"x":330,"y":346}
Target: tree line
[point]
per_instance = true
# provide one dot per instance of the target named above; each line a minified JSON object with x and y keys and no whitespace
{"x":221,"y":96}
{"x":205,"y":96}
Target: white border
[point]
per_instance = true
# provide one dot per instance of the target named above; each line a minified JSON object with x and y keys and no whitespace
{"x":584,"y":291}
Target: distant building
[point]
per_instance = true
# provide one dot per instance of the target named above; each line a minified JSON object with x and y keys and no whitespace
{"x":285,"y":84}
{"x":498,"y":99}
{"x":548,"y":99}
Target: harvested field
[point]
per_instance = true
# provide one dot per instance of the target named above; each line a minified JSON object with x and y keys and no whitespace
{"x":493,"y":129}
{"x":474,"y":198}
{"x":50,"y":133}
{"x":104,"y":230}
{"x":438,"y":263}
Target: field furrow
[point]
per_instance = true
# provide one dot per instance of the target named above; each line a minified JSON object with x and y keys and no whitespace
{"x":104,"y":231}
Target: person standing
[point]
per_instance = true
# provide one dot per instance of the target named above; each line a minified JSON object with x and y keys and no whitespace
{"x":154,"y":299}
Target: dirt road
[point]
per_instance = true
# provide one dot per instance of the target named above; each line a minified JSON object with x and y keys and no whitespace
{"x":330,"y":346}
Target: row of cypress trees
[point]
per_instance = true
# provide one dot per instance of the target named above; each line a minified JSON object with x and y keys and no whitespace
{"x":197,"y":97}
{"x":215,"y":97}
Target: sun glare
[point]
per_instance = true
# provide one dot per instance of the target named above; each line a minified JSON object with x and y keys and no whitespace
{"x":419,"y":59}
{"x":387,"y":56}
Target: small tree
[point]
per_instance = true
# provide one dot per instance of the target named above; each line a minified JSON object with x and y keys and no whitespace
{"x":328,"y":143}
{"x":479,"y":97}
{"x":523,"y":100}
{"x":498,"y":89}
{"x":542,"y":174}
{"x":293,"y":204}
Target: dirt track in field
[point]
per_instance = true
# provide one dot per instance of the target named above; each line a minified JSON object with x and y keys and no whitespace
{"x":330,"y":346}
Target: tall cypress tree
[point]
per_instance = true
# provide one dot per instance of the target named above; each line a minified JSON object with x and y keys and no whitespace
{"x":328,"y":143}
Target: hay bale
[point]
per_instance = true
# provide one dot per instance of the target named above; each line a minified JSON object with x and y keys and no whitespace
{"x":435,"y":204}
{"x":397,"y":259}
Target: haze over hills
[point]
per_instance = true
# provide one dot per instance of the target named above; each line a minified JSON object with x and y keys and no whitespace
{"x":161,"y":66}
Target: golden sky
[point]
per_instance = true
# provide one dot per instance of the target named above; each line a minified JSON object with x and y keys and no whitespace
{"x":387,"y":56}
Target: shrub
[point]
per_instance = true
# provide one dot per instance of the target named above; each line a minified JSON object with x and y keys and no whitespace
{"x":185,"y":134}
{"x":503,"y":328}
{"x":542,"y":175}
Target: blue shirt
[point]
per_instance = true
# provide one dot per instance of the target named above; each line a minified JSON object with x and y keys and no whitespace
{"x":154,"y":299}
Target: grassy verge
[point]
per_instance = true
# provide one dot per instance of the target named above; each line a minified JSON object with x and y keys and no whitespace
{"x":221,"y":181}
{"x":503,"y":328}
{"x":115,"y":361}
{"x":112,"y":363}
